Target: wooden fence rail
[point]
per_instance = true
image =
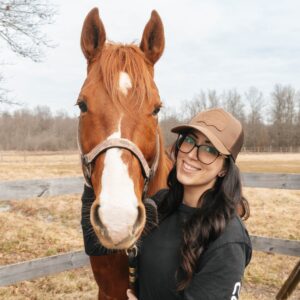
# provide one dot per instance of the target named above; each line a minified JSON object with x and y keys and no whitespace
{"x":23,"y":189}
{"x":28,"y":270}
{"x":45,"y":266}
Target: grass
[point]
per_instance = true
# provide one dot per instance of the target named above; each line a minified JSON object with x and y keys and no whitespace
{"x":25,"y":165}
{"x":77,"y":284}
{"x":269,"y":163}
{"x":272,"y":214}
{"x":41,"y":227}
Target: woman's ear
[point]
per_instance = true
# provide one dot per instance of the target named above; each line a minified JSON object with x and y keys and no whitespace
{"x":222,"y":173}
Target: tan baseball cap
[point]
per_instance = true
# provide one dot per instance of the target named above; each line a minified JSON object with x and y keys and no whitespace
{"x":223,"y":130}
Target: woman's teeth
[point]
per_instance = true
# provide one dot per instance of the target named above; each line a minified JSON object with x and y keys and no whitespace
{"x":189,"y":167}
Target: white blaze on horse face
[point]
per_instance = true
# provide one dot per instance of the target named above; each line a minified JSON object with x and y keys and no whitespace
{"x":118,"y":210}
{"x":124,"y":83}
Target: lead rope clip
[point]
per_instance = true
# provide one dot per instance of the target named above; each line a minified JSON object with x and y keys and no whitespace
{"x":132,"y":267}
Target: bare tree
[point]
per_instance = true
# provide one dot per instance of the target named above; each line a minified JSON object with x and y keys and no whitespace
{"x":168,"y":120}
{"x":283,"y":115}
{"x":37,"y":129}
{"x":3,"y":93}
{"x":21,"y":22}
{"x":197,"y":104}
{"x":255,"y":100}
{"x":256,"y":132}
{"x":232,"y":102}
{"x":213,"y":99}
{"x":4,"y":99}
{"x":297,"y":132}
{"x":298,"y":109}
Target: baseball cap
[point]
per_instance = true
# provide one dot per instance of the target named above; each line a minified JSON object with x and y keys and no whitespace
{"x":223,"y":130}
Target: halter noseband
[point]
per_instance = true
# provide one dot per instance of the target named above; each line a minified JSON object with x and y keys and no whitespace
{"x":148,"y":172}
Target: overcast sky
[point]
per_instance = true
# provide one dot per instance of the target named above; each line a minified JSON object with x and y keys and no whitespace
{"x":209,"y":45}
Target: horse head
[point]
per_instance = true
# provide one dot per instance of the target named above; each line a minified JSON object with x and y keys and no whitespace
{"x":118,"y":132}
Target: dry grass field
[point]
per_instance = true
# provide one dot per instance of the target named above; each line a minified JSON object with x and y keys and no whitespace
{"x":27,"y":165}
{"x":41,"y":227}
{"x":269,"y":162}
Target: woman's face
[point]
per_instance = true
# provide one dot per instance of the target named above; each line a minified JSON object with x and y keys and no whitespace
{"x":191,"y":172}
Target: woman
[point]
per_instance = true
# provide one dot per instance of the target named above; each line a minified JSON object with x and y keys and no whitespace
{"x":201,"y":247}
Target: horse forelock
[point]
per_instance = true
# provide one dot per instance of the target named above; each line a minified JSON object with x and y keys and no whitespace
{"x":118,"y":58}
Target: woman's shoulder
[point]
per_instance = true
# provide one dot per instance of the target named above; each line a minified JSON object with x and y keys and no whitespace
{"x":234,"y":232}
{"x":234,"y":239}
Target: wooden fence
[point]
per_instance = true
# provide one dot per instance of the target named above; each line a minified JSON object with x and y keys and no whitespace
{"x":23,"y":189}
{"x":28,"y":270}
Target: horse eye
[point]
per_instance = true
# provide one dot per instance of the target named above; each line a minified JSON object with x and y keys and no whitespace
{"x":82,"y":106}
{"x":156,"y":111}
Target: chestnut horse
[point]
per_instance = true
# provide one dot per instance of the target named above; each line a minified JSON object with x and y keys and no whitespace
{"x":120,"y":142}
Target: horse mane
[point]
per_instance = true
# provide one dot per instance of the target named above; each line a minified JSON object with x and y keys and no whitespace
{"x":116,"y":58}
{"x":165,"y":164}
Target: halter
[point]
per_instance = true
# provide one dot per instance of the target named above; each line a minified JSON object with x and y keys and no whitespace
{"x":87,"y":159}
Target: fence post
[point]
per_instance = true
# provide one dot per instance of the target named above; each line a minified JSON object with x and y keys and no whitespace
{"x":290,"y":284}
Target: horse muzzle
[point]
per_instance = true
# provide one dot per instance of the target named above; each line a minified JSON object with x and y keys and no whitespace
{"x":118,"y":228}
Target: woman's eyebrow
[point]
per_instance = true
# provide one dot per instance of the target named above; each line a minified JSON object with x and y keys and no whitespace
{"x":208,"y":142}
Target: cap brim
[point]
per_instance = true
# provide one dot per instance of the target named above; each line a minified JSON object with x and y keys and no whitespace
{"x":214,"y":140}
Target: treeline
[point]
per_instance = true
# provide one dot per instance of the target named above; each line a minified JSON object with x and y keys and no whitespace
{"x":270,"y":124}
{"x":37,"y":129}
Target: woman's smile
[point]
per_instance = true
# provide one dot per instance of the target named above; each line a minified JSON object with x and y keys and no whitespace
{"x":187,"y":167}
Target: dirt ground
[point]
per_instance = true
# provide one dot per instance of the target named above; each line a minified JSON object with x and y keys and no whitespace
{"x":41,"y":227}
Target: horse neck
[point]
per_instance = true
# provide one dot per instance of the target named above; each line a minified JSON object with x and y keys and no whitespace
{"x":159,"y":181}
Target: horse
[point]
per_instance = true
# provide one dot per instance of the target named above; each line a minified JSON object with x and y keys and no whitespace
{"x":121,"y":143}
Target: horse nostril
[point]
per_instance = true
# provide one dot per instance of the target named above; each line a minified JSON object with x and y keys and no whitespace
{"x":98,"y":222}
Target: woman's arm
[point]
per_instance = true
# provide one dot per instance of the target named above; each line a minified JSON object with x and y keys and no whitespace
{"x":220,"y":274}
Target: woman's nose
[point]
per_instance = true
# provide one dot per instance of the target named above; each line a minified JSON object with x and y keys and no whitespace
{"x":194,"y":153}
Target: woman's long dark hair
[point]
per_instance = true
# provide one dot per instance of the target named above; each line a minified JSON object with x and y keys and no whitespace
{"x":218,"y":206}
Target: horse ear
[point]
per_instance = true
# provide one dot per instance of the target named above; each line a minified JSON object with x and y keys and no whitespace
{"x":92,"y":35}
{"x":153,"y":40}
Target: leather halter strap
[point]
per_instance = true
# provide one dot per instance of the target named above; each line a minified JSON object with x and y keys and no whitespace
{"x":148,"y":172}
